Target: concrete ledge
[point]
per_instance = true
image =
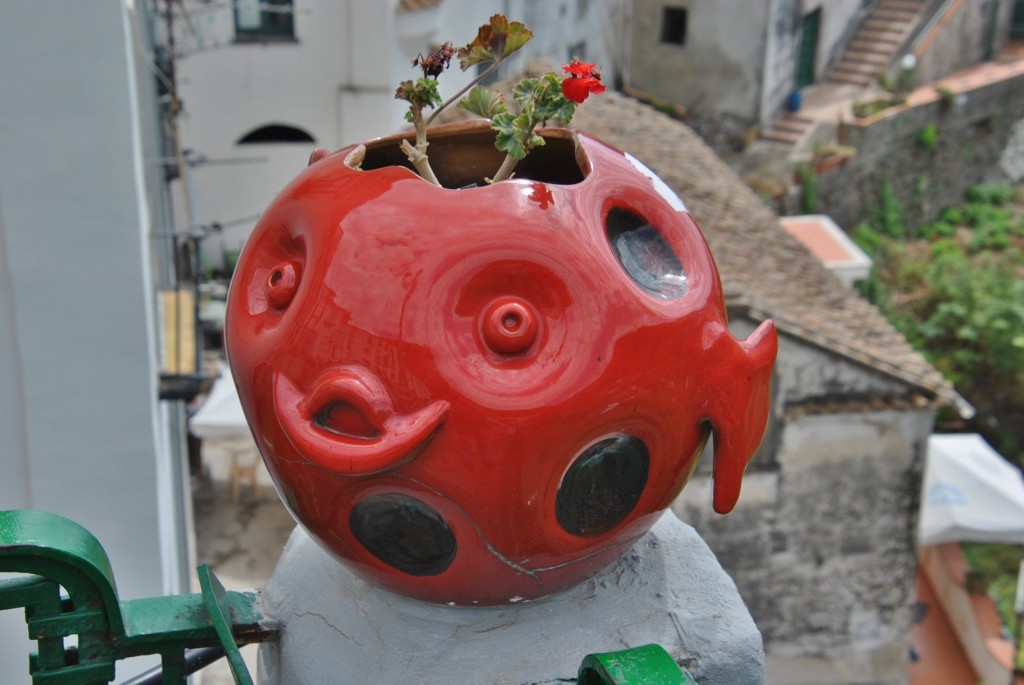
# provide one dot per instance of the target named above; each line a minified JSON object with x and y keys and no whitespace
{"x":668,"y":589}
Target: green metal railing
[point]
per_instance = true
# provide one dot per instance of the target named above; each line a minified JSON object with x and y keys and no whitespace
{"x":66,"y":587}
{"x":69,"y":590}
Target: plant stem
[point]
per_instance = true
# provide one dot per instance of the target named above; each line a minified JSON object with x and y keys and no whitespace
{"x":418,"y":154}
{"x":505,"y":170}
{"x":480,"y":77}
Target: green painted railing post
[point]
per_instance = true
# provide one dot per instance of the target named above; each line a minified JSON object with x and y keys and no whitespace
{"x":58,"y":556}
{"x":645,"y":665}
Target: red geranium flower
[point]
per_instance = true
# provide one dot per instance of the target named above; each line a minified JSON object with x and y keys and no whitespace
{"x":583,"y":80}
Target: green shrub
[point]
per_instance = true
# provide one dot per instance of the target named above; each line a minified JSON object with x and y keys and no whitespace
{"x":809,"y":181}
{"x":974,"y":318}
{"x":867,"y":238}
{"x":890,"y":212}
{"x":862,"y":109}
{"x":953,"y":215}
{"x":944,"y":248}
{"x":959,"y":299}
{"x":927,"y":136}
{"x":989,"y":236}
{"x":938,"y":229}
{"x":997,"y":194}
{"x":998,"y":564}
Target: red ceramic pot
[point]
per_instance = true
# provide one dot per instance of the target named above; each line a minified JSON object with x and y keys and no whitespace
{"x":487,"y":394}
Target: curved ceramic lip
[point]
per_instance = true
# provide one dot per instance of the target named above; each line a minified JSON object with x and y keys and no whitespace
{"x":354,"y":154}
{"x":399,"y":438}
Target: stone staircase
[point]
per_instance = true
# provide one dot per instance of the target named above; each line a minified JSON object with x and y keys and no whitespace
{"x":877,"y":42}
{"x":874,"y":46}
{"x":788,"y":129}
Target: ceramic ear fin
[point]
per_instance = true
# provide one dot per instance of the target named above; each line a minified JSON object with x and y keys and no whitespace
{"x":739,"y":410}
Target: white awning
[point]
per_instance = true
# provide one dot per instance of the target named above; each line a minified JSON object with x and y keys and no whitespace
{"x":970,"y":493}
{"x":221,"y":415}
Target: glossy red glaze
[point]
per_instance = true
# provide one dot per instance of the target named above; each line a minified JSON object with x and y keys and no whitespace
{"x":462,"y":348}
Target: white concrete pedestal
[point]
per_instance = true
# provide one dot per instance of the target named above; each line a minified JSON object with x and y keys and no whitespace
{"x":668,"y":589}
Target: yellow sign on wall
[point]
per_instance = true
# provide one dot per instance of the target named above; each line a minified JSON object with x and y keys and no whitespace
{"x":178,"y":334}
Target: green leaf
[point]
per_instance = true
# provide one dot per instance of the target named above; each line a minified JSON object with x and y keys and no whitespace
{"x":470,"y":55}
{"x":483,"y":101}
{"x":427,"y":87}
{"x":516,"y":37}
{"x":422,"y":93}
{"x":512,"y":133}
{"x":542,"y":98}
{"x":552,"y":103}
{"x":494,"y":41}
{"x":526,"y":91}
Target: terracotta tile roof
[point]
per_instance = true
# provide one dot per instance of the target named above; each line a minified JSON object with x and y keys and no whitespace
{"x":764,"y":269}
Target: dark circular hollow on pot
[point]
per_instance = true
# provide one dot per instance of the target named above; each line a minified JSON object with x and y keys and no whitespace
{"x":602,"y":486}
{"x":645,"y":255}
{"x":463,"y":155}
{"x":405,"y":533}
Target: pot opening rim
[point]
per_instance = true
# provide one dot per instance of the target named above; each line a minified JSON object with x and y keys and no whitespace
{"x":463,"y":155}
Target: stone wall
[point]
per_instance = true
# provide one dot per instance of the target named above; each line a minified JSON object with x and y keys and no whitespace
{"x":980,"y":139}
{"x":973,"y":33}
{"x":822,"y":543}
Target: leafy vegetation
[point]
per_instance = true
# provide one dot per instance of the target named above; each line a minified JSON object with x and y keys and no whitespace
{"x":862,"y":109}
{"x":998,"y":566}
{"x":809,"y":181}
{"x":927,"y":136}
{"x":955,"y":288}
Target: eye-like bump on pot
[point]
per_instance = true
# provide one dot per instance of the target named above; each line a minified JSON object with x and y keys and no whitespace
{"x":602,"y":486}
{"x":404,"y":533}
{"x":645,"y":255}
{"x":282,"y":282}
{"x":509,"y":326}
{"x":347,"y":422}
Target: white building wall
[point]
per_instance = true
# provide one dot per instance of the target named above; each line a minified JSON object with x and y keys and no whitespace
{"x":336,"y":81}
{"x":739,"y":58}
{"x":718,"y":68}
{"x":78,"y":381}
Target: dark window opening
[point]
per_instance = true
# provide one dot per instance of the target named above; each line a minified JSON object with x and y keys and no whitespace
{"x":806,"y":65}
{"x":1017,"y":22}
{"x":259,"y":19}
{"x":578,"y":50}
{"x":275,"y":133}
{"x":673,"y":25}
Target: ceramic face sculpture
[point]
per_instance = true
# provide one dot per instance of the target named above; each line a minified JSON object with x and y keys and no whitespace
{"x":485,"y":395}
